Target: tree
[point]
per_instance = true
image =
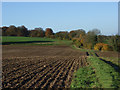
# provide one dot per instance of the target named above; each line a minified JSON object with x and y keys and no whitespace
{"x":100,"y":38}
{"x":48,"y":32}
{"x":96,"y":31}
{"x":40,"y":32}
{"x":79,"y":33}
{"x":22,"y":31}
{"x":33,"y":33}
{"x":114,"y":42}
{"x":62,"y":35}
{"x":91,"y":38}
{"x":76,"y":33}
{"x":72,"y":34}
{"x":4,"y":29}
{"x":37,"y":32}
{"x":11,"y":31}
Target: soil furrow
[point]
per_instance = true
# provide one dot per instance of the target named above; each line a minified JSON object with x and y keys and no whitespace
{"x":53,"y":73}
{"x":61,"y":78}
{"x":31,"y":72}
{"x":34,"y":79}
{"x":42,"y":67}
{"x":54,"y":77}
{"x":44,"y":74}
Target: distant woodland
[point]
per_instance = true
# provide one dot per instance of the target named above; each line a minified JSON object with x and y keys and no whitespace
{"x":81,"y":39}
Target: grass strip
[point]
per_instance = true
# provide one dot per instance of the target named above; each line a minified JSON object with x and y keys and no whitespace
{"x":97,"y":75}
{"x":106,"y":74}
{"x":13,"y":40}
{"x":85,"y":78}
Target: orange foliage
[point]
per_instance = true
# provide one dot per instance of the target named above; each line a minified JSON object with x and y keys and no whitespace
{"x":102,"y":46}
{"x":81,"y":38}
{"x":77,"y":42}
{"x":48,"y":32}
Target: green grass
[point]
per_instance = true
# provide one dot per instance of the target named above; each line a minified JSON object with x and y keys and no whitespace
{"x":106,"y":74}
{"x":74,"y":47}
{"x":114,"y":60}
{"x":36,"y":41}
{"x":82,"y":49}
{"x":85,"y":78}
{"x":23,"y":39}
{"x":97,"y":75}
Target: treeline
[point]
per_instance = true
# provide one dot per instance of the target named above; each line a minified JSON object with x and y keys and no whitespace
{"x":38,"y":32}
{"x":22,"y":31}
{"x":89,"y":40}
{"x":92,"y":40}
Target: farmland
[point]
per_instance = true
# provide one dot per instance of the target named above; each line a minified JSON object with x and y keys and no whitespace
{"x":11,"y":40}
{"x":56,"y":65}
{"x":60,"y":45}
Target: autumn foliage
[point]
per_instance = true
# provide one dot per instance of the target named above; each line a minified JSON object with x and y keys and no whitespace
{"x":48,"y":32}
{"x":77,"y":42}
{"x":102,"y":47}
{"x":87,"y":40}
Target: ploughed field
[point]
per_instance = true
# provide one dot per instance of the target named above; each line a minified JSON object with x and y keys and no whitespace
{"x":40,"y":66}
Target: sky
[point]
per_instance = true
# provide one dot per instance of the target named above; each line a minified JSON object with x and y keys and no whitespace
{"x":62,"y":16}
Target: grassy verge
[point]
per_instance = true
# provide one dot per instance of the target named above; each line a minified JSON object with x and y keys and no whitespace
{"x":97,"y":75}
{"x":82,"y":49}
{"x":106,"y":74}
{"x":112,"y":59}
{"x":85,"y":78}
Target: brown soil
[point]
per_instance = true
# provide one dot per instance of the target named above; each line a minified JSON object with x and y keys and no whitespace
{"x":40,"y":66}
{"x":107,"y":54}
{"x":29,"y":51}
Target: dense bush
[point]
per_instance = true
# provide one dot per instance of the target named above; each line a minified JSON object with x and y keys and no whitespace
{"x":77,"y":42}
{"x":102,"y":47}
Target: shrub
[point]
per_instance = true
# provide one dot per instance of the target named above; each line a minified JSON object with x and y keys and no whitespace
{"x":89,"y":46}
{"x":98,"y":46}
{"x":77,"y":42}
{"x":74,"y":40}
{"x":103,"y":47}
{"x":107,"y":47}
